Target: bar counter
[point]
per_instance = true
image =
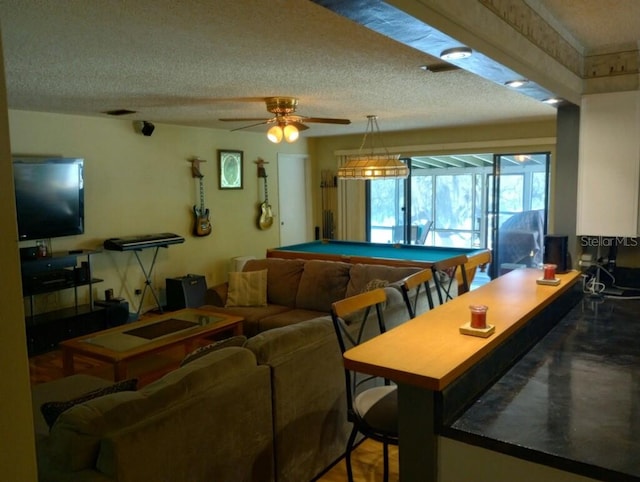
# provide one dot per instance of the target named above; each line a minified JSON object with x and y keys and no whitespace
{"x":439,"y":371}
{"x":573,"y":401}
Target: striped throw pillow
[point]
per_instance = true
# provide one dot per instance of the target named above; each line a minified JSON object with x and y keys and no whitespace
{"x":247,"y":288}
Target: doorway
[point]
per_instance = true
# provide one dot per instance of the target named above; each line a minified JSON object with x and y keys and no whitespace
{"x":518,"y":205}
{"x":292,"y":199}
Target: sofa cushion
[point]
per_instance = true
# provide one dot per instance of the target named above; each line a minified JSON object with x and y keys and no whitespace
{"x":222,"y":434}
{"x":247,"y":288}
{"x":322,"y":283}
{"x":361,"y":274}
{"x":310,"y":408}
{"x":74,"y":440}
{"x":283,"y":279}
{"x":252,"y":315}
{"x":374,"y":284}
{"x":61,"y":389}
{"x":287,"y":318}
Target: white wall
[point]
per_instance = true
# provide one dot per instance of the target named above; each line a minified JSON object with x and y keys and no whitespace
{"x":142,"y":185}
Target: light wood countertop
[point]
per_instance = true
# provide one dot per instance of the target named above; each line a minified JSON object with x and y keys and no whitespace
{"x":430,"y":352}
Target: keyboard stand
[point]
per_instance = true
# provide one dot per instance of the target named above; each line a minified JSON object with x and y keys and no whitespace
{"x":147,"y":278}
{"x":138,"y":243}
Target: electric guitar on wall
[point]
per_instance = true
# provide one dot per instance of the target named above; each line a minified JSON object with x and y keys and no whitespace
{"x":202,"y":223}
{"x":265,"y":217}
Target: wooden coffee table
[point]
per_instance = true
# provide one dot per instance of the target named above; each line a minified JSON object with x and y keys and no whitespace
{"x":131,"y":341}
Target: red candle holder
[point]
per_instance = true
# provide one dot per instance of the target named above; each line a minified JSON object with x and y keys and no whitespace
{"x":478,"y":316}
{"x":549,"y":271}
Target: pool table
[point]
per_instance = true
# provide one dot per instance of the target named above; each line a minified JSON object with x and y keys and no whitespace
{"x":371,"y":253}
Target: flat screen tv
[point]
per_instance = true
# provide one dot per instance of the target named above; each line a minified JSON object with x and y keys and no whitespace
{"x":49,"y":197}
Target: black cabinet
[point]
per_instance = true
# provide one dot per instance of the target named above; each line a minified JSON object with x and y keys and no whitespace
{"x":61,"y":271}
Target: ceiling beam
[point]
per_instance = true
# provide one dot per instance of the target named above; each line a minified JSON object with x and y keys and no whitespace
{"x":500,"y":52}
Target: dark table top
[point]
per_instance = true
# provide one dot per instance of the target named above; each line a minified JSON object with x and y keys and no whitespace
{"x":573,"y":401}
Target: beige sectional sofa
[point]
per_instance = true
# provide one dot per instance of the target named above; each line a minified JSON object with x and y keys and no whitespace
{"x":310,"y":427}
{"x":272,"y":410}
{"x":299,"y":290}
{"x":208,"y":420}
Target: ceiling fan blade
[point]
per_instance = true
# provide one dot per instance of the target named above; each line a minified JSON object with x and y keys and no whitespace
{"x":250,"y":125}
{"x":299,"y":125}
{"x":326,"y":120}
{"x":244,"y":119}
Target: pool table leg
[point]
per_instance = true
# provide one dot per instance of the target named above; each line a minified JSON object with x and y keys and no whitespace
{"x":418,"y":449}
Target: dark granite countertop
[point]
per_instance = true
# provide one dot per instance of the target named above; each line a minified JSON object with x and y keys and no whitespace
{"x":573,"y":401}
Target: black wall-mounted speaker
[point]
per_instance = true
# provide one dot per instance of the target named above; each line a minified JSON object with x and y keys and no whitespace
{"x":186,"y":292}
{"x":145,"y":128}
{"x":556,"y":251}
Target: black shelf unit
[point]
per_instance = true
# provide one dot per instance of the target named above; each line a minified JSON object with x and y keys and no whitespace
{"x":58,"y":272}
{"x":63,"y":285}
{"x":46,"y":330}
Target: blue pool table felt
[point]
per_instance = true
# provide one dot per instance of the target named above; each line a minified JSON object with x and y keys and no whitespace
{"x":379,"y":250}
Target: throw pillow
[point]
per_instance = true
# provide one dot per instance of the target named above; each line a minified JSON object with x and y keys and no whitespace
{"x":374,"y":284}
{"x":52,"y":410}
{"x":205,"y":350}
{"x":247,"y":288}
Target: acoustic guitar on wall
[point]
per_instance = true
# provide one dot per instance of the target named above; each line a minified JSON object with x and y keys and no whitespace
{"x":201,"y":222}
{"x":265,"y":214}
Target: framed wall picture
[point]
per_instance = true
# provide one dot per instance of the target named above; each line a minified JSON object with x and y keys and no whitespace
{"x":230,"y":169}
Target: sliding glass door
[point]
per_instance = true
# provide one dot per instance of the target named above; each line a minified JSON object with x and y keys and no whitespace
{"x":468,"y":201}
{"x":386,"y":211}
{"x":518,"y":210}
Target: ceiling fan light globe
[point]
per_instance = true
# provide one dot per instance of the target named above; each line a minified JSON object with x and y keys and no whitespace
{"x":291,"y":133}
{"x":275,"y":134}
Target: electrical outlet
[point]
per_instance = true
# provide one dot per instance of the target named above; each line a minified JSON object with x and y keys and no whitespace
{"x":138,"y":292}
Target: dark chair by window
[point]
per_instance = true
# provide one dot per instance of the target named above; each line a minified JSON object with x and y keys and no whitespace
{"x":416,"y":281}
{"x":449,"y":273}
{"x":521,"y":239}
{"x":371,"y":407}
{"x":399,"y":234}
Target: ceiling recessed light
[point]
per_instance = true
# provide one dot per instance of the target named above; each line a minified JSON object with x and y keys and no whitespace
{"x":516,"y":83}
{"x":456,"y":53}
{"x":552,"y":100}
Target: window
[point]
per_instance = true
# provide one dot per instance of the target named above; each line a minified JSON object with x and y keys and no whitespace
{"x":387,"y":210}
{"x":449,"y":200}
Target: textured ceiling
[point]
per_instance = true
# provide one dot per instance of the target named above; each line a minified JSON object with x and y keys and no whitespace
{"x":195,"y":61}
{"x":597,"y":25}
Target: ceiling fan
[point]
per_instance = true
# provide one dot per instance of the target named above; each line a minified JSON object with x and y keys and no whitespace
{"x":287,"y":124}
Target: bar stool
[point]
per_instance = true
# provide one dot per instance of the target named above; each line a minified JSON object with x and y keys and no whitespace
{"x":417,"y":281}
{"x":372,"y":408}
{"x":480,"y":260}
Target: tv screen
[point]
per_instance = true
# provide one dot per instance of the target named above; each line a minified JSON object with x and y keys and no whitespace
{"x":49,"y":197}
